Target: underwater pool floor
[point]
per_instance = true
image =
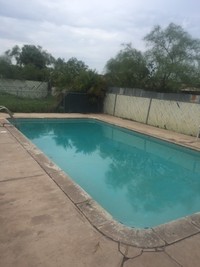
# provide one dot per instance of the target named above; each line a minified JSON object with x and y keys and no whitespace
{"x":171,"y":240}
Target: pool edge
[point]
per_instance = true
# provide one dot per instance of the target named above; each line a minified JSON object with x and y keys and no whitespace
{"x":156,"y":237}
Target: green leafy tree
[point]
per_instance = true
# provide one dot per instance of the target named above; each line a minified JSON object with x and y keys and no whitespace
{"x":74,"y":75}
{"x":29,"y":62}
{"x":173,"y":58}
{"x":65,"y":73}
{"x":127,"y":69}
{"x":5,"y":67}
{"x":31,"y":55}
{"x":31,"y":72}
{"x":92,"y":83}
{"x":34,"y":55}
{"x":14,"y":53}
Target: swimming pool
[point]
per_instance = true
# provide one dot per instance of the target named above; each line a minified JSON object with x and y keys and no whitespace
{"x":140,"y":180}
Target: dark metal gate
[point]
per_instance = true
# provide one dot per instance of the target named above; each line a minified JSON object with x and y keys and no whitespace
{"x":75,"y":102}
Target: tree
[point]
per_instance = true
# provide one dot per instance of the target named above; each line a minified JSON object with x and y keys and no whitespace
{"x":34,"y":55}
{"x":29,"y":62}
{"x":31,"y":72}
{"x":172,"y":59}
{"x":5,"y":66}
{"x":65,"y":73}
{"x":90,"y":82}
{"x":7,"y":69}
{"x":127,"y":69}
{"x":74,"y":75}
{"x":31,"y":55}
{"x":14,"y":53}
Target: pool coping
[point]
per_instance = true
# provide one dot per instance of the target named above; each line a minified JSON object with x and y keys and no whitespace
{"x":151,"y":238}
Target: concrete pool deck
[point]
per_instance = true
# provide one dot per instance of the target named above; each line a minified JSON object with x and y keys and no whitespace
{"x":45,"y":220}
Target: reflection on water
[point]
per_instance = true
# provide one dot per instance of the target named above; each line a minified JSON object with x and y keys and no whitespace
{"x":139,"y":180}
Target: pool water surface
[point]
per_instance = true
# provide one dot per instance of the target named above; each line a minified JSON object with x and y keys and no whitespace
{"x":140,"y":180}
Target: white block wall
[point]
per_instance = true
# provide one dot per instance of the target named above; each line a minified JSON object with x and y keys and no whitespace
{"x":177,"y":116}
{"x":134,"y":108}
{"x":109,"y":103}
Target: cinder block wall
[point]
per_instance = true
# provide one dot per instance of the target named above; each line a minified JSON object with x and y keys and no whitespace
{"x":134,"y":108}
{"x":176,"y":116}
{"x":181,"y":117}
{"x":109,"y":104}
{"x":24,"y":88}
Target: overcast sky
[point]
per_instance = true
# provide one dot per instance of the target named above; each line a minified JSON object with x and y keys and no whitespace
{"x":90,"y":30}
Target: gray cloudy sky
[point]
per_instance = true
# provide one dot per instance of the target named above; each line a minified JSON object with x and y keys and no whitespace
{"x":90,"y":30}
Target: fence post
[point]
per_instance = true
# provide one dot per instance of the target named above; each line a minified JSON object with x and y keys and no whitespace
{"x":114,"y":104}
{"x":148,"y":111}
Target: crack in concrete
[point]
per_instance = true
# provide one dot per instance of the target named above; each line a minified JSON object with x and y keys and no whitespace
{"x":166,"y":244}
{"x":174,"y":260}
{"x":126,"y":251}
{"x":161,"y":249}
{"x":119,"y":249}
{"x":196,"y":225}
{"x":183,"y":238}
{"x":97,"y":247}
{"x":20,"y":178}
{"x":156,"y":250}
{"x":82,"y":202}
{"x":124,"y":259}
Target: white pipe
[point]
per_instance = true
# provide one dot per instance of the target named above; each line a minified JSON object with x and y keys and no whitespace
{"x":7,"y":110}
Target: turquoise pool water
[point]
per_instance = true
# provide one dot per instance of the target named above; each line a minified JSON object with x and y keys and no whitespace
{"x":141,"y":181}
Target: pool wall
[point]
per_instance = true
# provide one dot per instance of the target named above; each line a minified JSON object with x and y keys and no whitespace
{"x":181,"y":117}
{"x":176,"y":156}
